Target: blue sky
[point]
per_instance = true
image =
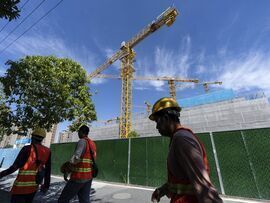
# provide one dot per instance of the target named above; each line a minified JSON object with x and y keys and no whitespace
{"x":210,"y":40}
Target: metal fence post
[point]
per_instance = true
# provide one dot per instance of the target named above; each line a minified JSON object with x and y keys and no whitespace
{"x":128,"y":169}
{"x":217,"y":163}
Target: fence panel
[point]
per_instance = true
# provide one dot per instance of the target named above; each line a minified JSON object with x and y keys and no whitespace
{"x":60,"y":154}
{"x":234,"y":164}
{"x":244,"y":159}
{"x":112,"y":160}
{"x":258,"y":145}
{"x":205,"y":138}
{"x":148,"y":161}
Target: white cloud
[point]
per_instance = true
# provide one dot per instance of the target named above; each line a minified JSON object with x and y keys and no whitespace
{"x":97,"y":81}
{"x":246,"y":72}
{"x":40,"y":45}
{"x":166,"y":63}
{"x":200,"y":69}
{"x":144,"y":85}
{"x":183,"y":86}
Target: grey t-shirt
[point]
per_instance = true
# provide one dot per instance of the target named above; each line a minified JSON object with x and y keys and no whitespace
{"x":79,"y":151}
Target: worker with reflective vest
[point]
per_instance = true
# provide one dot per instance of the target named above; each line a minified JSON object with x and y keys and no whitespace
{"x":81,"y":163}
{"x":187,"y":166}
{"x":28,"y":163}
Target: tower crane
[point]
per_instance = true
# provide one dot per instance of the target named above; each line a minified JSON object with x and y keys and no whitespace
{"x":206,"y":84}
{"x":206,"y":87}
{"x":171,"y":81}
{"x":126,"y":54}
{"x":147,"y":107}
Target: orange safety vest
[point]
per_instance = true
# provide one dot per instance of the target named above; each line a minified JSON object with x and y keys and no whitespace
{"x":83,"y":169}
{"x":25,"y":182}
{"x":182,"y":191}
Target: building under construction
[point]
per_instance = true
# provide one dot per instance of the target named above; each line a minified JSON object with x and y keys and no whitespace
{"x":211,"y":112}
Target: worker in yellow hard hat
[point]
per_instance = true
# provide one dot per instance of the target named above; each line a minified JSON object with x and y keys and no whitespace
{"x":34,"y":164}
{"x":187,"y":166}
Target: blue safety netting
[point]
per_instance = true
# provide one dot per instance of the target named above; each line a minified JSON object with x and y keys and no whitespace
{"x":8,"y":156}
{"x":23,"y":141}
{"x":211,"y":97}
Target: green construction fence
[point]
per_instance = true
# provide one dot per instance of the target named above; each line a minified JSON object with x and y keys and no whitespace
{"x":239,"y":161}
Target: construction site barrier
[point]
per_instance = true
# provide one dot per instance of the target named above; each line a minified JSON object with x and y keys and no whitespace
{"x":239,"y":161}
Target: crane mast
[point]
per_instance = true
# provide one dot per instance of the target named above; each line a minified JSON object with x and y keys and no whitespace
{"x":126,"y":54}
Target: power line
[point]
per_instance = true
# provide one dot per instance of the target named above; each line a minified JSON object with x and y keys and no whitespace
{"x":32,"y":25}
{"x":9,"y":21}
{"x":4,"y":26}
{"x":23,"y":20}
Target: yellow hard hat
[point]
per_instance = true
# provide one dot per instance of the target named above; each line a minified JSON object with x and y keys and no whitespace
{"x":164,"y":103}
{"x":39,"y":132}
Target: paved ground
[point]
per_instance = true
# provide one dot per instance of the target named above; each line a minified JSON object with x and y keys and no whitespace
{"x":104,"y":193}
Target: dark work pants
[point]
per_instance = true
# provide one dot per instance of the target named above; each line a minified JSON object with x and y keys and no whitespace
{"x":73,"y":188}
{"x":26,"y":198}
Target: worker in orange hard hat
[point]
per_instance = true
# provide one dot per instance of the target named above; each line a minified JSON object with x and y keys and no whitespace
{"x":34,"y":164}
{"x":187,"y":166}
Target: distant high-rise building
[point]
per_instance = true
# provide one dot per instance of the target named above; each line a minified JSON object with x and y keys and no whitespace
{"x":50,"y":136}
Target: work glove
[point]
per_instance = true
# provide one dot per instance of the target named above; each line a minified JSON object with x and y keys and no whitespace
{"x":159,"y":192}
{"x":156,"y":196}
{"x":66,"y":169}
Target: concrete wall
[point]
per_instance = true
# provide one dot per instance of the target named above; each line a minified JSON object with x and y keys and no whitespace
{"x":8,"y":140}
{"x":234,"y":114}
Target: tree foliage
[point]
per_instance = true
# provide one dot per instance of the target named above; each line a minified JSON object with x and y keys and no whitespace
{"x":4,"y":111}
{"x":45,"y":90}
{"x":9,"y":9}
{"x":133,"y":134}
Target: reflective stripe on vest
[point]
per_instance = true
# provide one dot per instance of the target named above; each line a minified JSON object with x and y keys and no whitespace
{"x":181,"y":189}
{"x":19,"y":184}
{"x":83,"y":169}
{"x":28,"y":172}
{"x":25,"y":182}
{"x":86,"y":161}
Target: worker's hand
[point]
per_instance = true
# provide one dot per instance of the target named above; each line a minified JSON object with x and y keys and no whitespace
{"x":156,"y":196}
{"x":67,"y":167}
{"x":43,"y":189}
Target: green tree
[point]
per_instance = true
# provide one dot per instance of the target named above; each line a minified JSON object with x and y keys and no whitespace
{"x":9,"y":9}
{"x":8,"y":146}
{"x":45,"y":90}
{"x":77,"y":124}
{"x":4,"y":111}
{"x":133,"y":134}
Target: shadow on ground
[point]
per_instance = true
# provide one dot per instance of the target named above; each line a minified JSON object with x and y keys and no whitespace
{"x":51,"y":196}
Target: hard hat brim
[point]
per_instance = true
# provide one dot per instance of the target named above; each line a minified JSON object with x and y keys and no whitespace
{"x":153,"y":116}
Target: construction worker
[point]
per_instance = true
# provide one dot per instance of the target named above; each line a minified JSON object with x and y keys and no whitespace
{"x":31,"y":159}
{"x":81,"y":179}
{"x":187,"y":167}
